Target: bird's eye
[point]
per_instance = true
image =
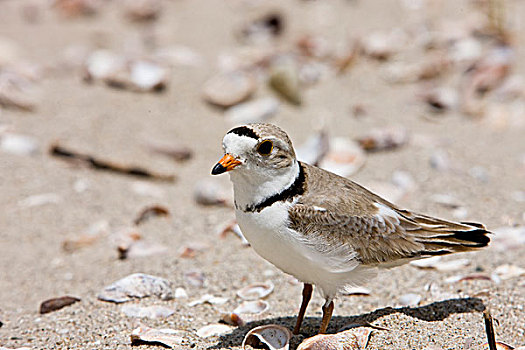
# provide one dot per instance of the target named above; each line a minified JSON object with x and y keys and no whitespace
{"x":265,"y":148}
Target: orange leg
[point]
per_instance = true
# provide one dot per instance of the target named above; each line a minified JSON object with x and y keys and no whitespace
{"x":307,"y":295}
{"x":328,"y":308}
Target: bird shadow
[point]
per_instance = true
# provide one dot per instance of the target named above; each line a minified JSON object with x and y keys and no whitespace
{"x":436,"y":311}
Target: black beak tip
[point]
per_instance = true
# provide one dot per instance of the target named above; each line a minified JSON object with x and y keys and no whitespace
{"x":218,"y":169}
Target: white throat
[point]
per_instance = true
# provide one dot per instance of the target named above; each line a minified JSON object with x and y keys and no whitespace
{"x":252,"y":187}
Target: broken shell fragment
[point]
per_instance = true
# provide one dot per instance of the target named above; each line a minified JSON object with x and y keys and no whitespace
{"x":153,"y":311}
{"x":256,"y":307}
{"x":344,"y":158}
{"x":18,"y":144}
{"x":168,"y":337}
{"x":256,"y":291}
{"x":137,"y":285}
{"x":57,"y":304}
{"x":508,"y":271}
{"x":272,"y":336}
{"x":255,"y":111}
{"x":210,"y":299}
{"x":208,"y":192}
{"x":436,"y":263}
{"x":353,"y":339}
{"x":213,"y":329}
{"x":410,"y":299}
{"x":383,"y":139}
{"x":228,"y":89}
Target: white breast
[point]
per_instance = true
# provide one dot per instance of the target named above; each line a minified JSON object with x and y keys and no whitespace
{"x":269,"y":235}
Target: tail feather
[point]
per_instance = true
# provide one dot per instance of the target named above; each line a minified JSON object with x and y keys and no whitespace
{"x":440,"y":237}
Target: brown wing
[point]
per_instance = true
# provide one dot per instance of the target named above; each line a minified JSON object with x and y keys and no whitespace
{"x":344,"y":213}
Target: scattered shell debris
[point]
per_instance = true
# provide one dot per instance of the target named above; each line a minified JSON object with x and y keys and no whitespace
{"x":137,"y":285}
{"x":228,"y":89}
{"x":272,"y":336}
{"x":167,"y":337}
{"x":209,"y":299}
{"x":437,"y":263}
{"x":345,"y":157}
{"x":256,"y":307}
{"x":256,"y":291}
{"x":353,"y":339}
{"x":213,"y":330}
{"x":153,"y":311}
{"x":57,"y":304}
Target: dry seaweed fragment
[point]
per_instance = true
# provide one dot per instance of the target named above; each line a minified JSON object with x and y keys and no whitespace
{"x":57,"y":150}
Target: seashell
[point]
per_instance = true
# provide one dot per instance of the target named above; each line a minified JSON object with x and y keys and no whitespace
{"x":180,"y":56}
{"x":356,"y":291}
{"x":213,"y":329}
{"x":234,"y":319}
{"x":168,"y":337}
{"x":255,"y":111}
{"x":252,"y":307}
{"x":147,"y":311}
{"x":147,"y":189}
{"x":101,"y":64}
{"x":508,"y":271}
{"x":176,"y":152}
{"x":466,"y":50}
{"x":180,"y":293}
{"x":228,"y":89}
{"x":314,"y":149}
{"x":501,"y":346}
{"x":256,"y":291}
{"x":384,"y":139}
{"x":474,"y":276}
{"x":263,"y":29}
{"x":18,"y":144}
{"x":210,"y":299}
{"x":92,"y":234}
{"x":436,"y":263}
{"x":381,"y":45}
{"x":344,"y":158}
{"x":57,"y":304}
{"x":141,"y":248}
{"x":440,"y":99}
{"x":190,"y":250}
{"x":38,"y":200}
{"x":148,"y":76}
{"x":410,"y":299}
{"x":142,"y":10}
{"x":284,"y":79}
{"x":18,"y":91}
{"x":273,"y":336}
{"x":137,"y":285}
{"x":207,"y":192}
{"x":445,"y":200}
{"x":353,"y":339}
{"x":194,"y":278}
{"x":149,"y":212}
{"x":233,"y":227}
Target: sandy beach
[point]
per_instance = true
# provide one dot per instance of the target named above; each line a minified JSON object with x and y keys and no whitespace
{"x":453,"y":163}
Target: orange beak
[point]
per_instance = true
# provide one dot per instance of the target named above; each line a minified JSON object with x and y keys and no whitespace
{"x":227,"y":163}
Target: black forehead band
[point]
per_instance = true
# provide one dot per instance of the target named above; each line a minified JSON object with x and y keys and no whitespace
{"x":244,"y":131}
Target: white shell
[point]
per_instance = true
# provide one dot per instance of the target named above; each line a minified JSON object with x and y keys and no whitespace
{"x":275,"y":337}
{"x":228,"y":89}
{"x":410,"y":299}
{"x":252,"y":307}
{"x":436,"y":263}
{"x":213,"y":329}
{"x":18,"y":144}
{"x":256,"y":291}
{"x":210,"y":299}
{"x":137,"y":285}
{"x":255,"y":111}
{"x":344,"y":158}
{"x":153,"y":311}
{"x":168,"y":337}
{"x":508,"y":271}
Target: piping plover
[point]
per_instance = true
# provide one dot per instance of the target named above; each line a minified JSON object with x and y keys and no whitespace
{"x":321,"y":228}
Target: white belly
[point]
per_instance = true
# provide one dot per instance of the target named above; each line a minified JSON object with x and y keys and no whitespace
{"x":270,"y":237}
